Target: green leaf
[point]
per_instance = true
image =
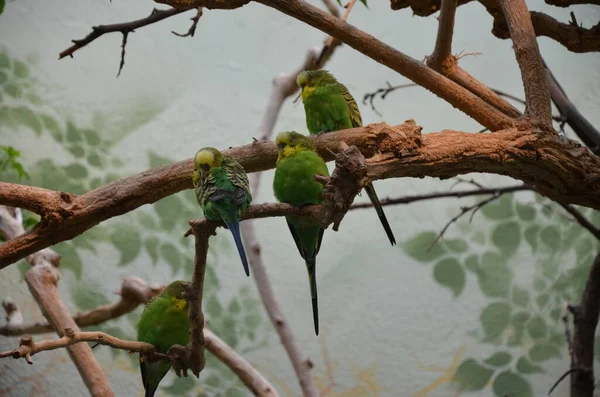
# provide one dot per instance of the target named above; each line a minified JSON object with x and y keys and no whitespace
{"x":543,"y":351}
{"x":4,"y":60}
{"x":234,"y":307}
{"x":520,"y":296}
{"x":478,"y":237}
{"x":450,"y":274}
{"x":494,"y":277}
{"x":76,"y":171}
{"x":76,"y":150}
{"x":531,"y":236}
{"x":511,"y":384}
{"x":471,"y":376}
{"x":364,"y":2}
{"x":456,"y":245}
{"x":69,"y":259}
{"x":500,"y":209}
{"x":499,"y":359}
{"x":50,"y":124}
{"x":507,"y":237}
{"x":20,"y":70}
{"x":542,"y":300}
{"x":147,"y":220}
{"x":416,"y":247}
{"x":151,"y":245}
{"x":72,"y":134}
{"x":472,"y":263}
{"x":156,"y":160}
{"x":519,"y":319}
{"x":87,"y":295}
{"x":127,"y":241}
{"x":550,"y":236}
{"x":515,"y":339}
{"x":1,"y":6}
{"x":213,"y":307}
{"x":12,"y":90}
{"x":494,"y":318}
{"x":169,"y":211}
{"x":525,"y":366}
{"x":171,"y":255}
{"x":92,"y":137}
{"x":94,"y":160}
{"x":539,"y":284}
{"x":85,"y":242}
{"x":27,"y":118}
{"x":536,"y":328}
{"x":525,"y":212}
{"x":252,"y":321}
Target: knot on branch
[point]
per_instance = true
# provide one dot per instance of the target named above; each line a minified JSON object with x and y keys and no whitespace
{"x":400,"y":140}
{"x":346,"y":181}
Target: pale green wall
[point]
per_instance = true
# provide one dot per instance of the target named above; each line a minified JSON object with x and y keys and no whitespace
{"x":388,"y":327}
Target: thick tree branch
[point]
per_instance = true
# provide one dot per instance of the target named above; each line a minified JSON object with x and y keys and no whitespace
{"x":573,"y":37}
{"x":537,"y":96}
{"x":585,"y":321}
{"x":134,"y":291}
{"x":561,"y":169}
{"x":42,"y":280}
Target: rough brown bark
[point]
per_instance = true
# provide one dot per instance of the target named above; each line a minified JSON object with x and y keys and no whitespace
{"x":560,"y":169}
{"x":537,"y":96}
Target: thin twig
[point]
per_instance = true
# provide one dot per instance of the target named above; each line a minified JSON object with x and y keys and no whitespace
{"x":443,"y":43}
{"x":582,"y":220}
{"x":192,"y":30}
{"x":123,"y":28}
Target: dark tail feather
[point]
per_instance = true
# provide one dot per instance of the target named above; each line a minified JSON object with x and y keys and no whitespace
{"x":384,"y":222}
{"x":312,"y":279}
{"x":234,"y":227}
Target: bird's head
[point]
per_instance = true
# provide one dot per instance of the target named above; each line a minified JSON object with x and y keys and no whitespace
{"x":290,"y":142}
{"x":176,"y":293}
{"x":206,"y":159}
{"x":309,"y":80}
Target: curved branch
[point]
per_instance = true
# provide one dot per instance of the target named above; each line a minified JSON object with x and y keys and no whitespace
{"x":561,"y":169}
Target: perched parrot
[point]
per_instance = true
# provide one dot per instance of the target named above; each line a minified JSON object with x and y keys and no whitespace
{"x":297,"y":163}
{"x":221,"y":186}
{"x":329,"y":106}
{"x":164,"y":323}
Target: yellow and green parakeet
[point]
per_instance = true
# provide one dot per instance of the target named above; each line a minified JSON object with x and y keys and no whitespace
{"x":221,"y":186}
{"x":329,"y":106}
{"x":297,"y":163}
{"x":164,"y":323}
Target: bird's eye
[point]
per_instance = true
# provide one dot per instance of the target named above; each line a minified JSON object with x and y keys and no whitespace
{"x":205,"y":167}
{"x":281,"y":146}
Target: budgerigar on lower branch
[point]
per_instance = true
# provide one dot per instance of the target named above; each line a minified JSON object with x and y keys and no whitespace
{"x":164,"y":323}
{"x":329,"y":106}
{"x":221,"y":186}
{"x":297,"y":163}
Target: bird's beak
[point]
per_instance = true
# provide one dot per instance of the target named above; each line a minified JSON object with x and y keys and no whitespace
{"x":280,"y":148}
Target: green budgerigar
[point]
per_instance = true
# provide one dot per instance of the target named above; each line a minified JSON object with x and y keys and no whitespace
{"x":164,"y":323}
{"x":297,"y":163}
{"x":329,"y":106}
{"x":221,"y":186}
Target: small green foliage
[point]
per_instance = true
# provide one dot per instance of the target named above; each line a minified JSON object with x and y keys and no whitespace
{"x":171,"y":255}
{"x":8,"y":161}
{"x":417,"y":246}
{"x":499,"y":359}
{"x":500,"y":209}
{"x":495,"y":277}
{"x":520,"y":296}
{"x":525,"y":366}
{"x":76,"y":171}
{"x":543,"y":351}
{"x":69,"y":258}
{"x":507,"y":237}
{"x":510,"y":384}
{"x":471,"y":376}
{"x":450,"y":274}
{"x":456,"y":245}
{"x":495,"y":317}
{"x":536,"y":328}
{"x":213,"y":307}
{"x":151,"y":244}
{"x":1,"y":6}
{"x":472,"y":263}
{"x":127,"y":241}
{"x":525,"y":212}
{"x":550,"y":236}
{"x":87,"y":295}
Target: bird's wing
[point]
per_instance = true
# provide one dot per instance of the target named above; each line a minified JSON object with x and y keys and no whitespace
{"x":352,"y":106}
{"x":205,"y":188}
{"x":296,"y":239}
{"x":239,"y":179}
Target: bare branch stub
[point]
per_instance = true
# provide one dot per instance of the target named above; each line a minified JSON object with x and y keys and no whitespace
{"x":192,"y":30}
